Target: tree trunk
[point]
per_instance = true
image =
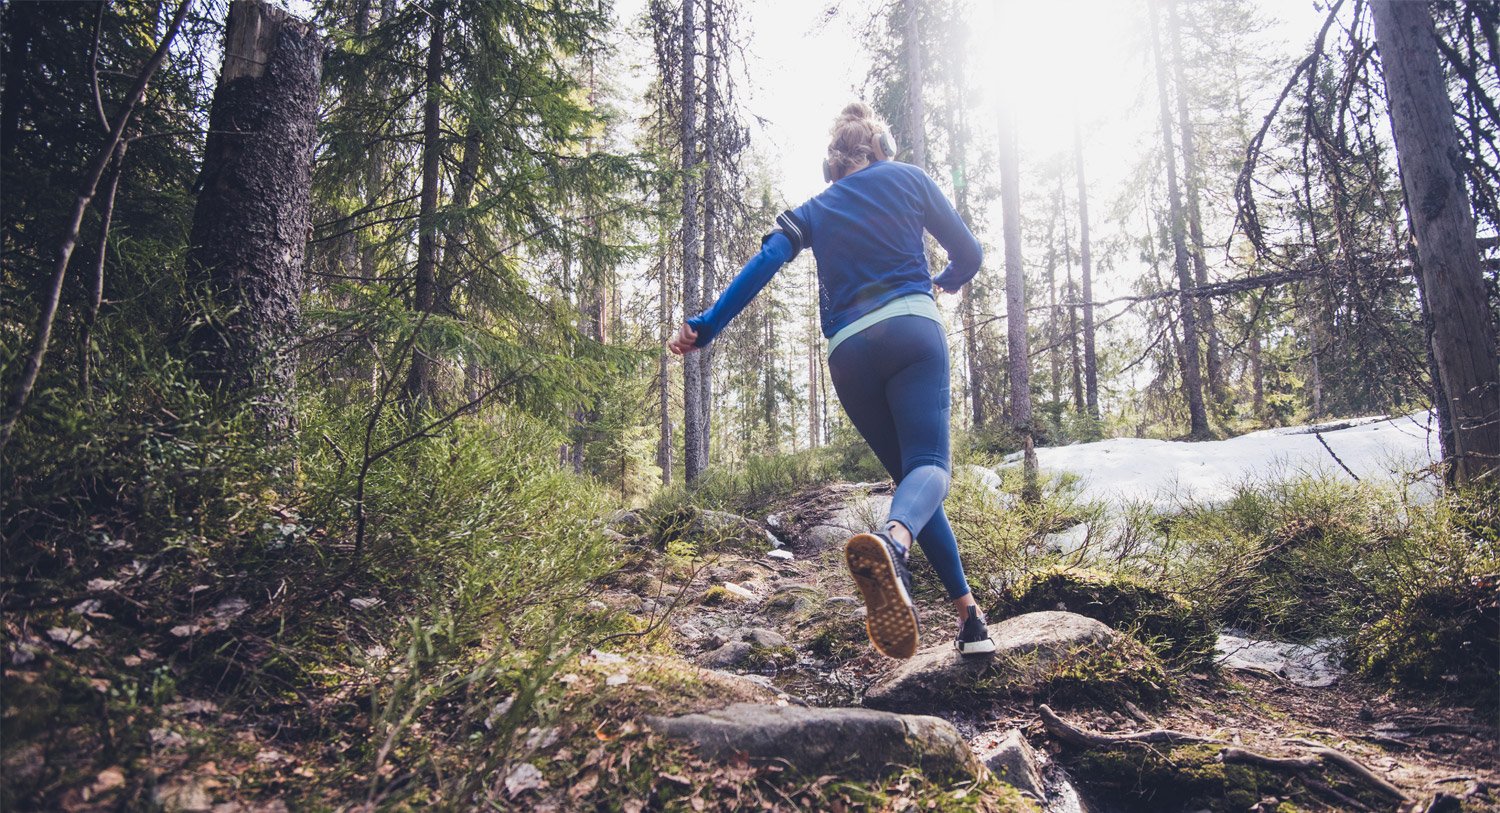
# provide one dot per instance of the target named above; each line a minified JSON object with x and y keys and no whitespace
{"x":1054,"y":334}
{"x":419,"y":380}
{"x":1192,"y":375}
{"x":1191,"y":181}
{"x":1090,"y":359}
{"x":1427,"y":151}
{"x":975,"y":366}
{"x":1015,"y":297}
{"x":695,"y":456}
{"x":916,"y":113}
{"x":253,"y":217}
{"x":711,"y":209}
{"x":814,"y":346}
{"x":663,"y":366}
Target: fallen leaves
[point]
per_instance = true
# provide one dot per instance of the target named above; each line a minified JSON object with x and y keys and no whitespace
{"x":522,"y":777}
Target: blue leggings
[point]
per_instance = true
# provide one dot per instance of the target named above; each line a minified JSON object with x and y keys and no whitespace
{"x":892,"y":378}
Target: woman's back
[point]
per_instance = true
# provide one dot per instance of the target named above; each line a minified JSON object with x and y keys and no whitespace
{"x":866,"y":233}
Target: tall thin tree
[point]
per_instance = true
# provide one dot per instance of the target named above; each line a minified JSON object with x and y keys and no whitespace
{"x":1192,"y":375}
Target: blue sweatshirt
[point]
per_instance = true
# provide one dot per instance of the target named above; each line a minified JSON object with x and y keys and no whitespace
{"x":865,"y":231}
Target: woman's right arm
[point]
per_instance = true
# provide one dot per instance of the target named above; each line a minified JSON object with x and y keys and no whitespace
{"x":964,"y":252}
{"x":774,"y":253}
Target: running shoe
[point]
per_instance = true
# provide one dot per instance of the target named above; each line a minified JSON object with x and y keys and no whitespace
{"x":878,"y":565}
{"x":974,"y":638}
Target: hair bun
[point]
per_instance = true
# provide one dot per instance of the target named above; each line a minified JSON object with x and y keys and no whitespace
{"x":857,"y":111}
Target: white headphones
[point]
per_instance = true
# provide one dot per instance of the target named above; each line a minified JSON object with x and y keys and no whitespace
{"x":883,"y":142}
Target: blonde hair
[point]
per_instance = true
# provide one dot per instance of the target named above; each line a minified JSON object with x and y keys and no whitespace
{"x":855,"y":139}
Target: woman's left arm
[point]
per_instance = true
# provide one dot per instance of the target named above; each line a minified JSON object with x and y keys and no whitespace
{"x":774,"y":253}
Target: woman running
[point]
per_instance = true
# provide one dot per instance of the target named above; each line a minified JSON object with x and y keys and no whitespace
{"x":887,"y":355}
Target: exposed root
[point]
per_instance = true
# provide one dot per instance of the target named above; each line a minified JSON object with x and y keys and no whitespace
{"x":1082,"y":738}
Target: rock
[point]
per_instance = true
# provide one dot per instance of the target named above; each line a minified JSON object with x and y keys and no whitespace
{"x":762,"y":638}
{"x":628,"y":523}
{"x":820,"y":741}
{"x":781,"y":553}
{"x":1028,"y":648}
{"x":1015,"y":763}
{"x":728,"y":593}
{"x":1311,"y":664}
{"x":987,"y":478}
{"x":711,"y":530}
{"x":739,"y":592}
{"x":191,"y":795}
{"x":826,"y":516}
{"x":731,"y":654}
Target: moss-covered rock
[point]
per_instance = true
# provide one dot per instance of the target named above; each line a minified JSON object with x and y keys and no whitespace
{"x":1172,"y":625}
{"x":1445,"y":636}
{"x":1064,"y":657}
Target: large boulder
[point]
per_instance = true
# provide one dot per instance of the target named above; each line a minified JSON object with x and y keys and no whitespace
{"x":850,"y":742}
{"x":1045,"y":653}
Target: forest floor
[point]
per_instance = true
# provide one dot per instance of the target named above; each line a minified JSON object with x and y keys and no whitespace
{"x":809,"y":599}
{"x":723,"y":609}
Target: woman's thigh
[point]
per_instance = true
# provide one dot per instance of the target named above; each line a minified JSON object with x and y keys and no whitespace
{"x":892,"y":380}
{"x":919,"y":400}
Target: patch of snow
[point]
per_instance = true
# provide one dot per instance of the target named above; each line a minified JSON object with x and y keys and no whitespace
{"x":1303,"y":664}
{"x":1162,"y":473}
{"x":1067,"y":541}
{"x":986,"y":477}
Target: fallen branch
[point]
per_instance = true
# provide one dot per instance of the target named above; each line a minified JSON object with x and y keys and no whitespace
{"x":1083,"y":738}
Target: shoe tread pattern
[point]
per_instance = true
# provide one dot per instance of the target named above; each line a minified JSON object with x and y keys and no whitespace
{"x":890,"y":619}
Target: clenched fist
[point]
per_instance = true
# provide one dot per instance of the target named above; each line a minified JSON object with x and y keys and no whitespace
{"x":683,"y":342}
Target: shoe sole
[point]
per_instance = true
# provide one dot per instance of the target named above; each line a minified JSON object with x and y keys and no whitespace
{"x":971,"y":648}
{"x":890,"y":618}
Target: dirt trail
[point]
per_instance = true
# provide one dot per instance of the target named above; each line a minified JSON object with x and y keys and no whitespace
{"x":790,"y":619}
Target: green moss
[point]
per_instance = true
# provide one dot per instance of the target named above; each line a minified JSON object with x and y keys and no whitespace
{"x":1187,"y":778}
{"x":1107,"y":676}
{"x":1447,"y":635}
{"x":1172,"y":625}
{"x":839,"y":638}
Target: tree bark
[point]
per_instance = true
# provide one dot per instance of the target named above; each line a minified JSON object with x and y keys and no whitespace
{"x":663,"y":366}
{"x":1090,"y":358}
{"x":1427,"y":151}
{"x":253,"y":215}
{"x":419,"y":387}
{"x":1015,"y":297}
{"x":1192,"y":375}
{"x":916,"y":112}
{"x":709,"y":136}
{"x":695,"y":456}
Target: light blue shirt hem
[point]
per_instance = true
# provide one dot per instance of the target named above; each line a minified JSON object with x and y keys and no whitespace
{"x":909,"y":305}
